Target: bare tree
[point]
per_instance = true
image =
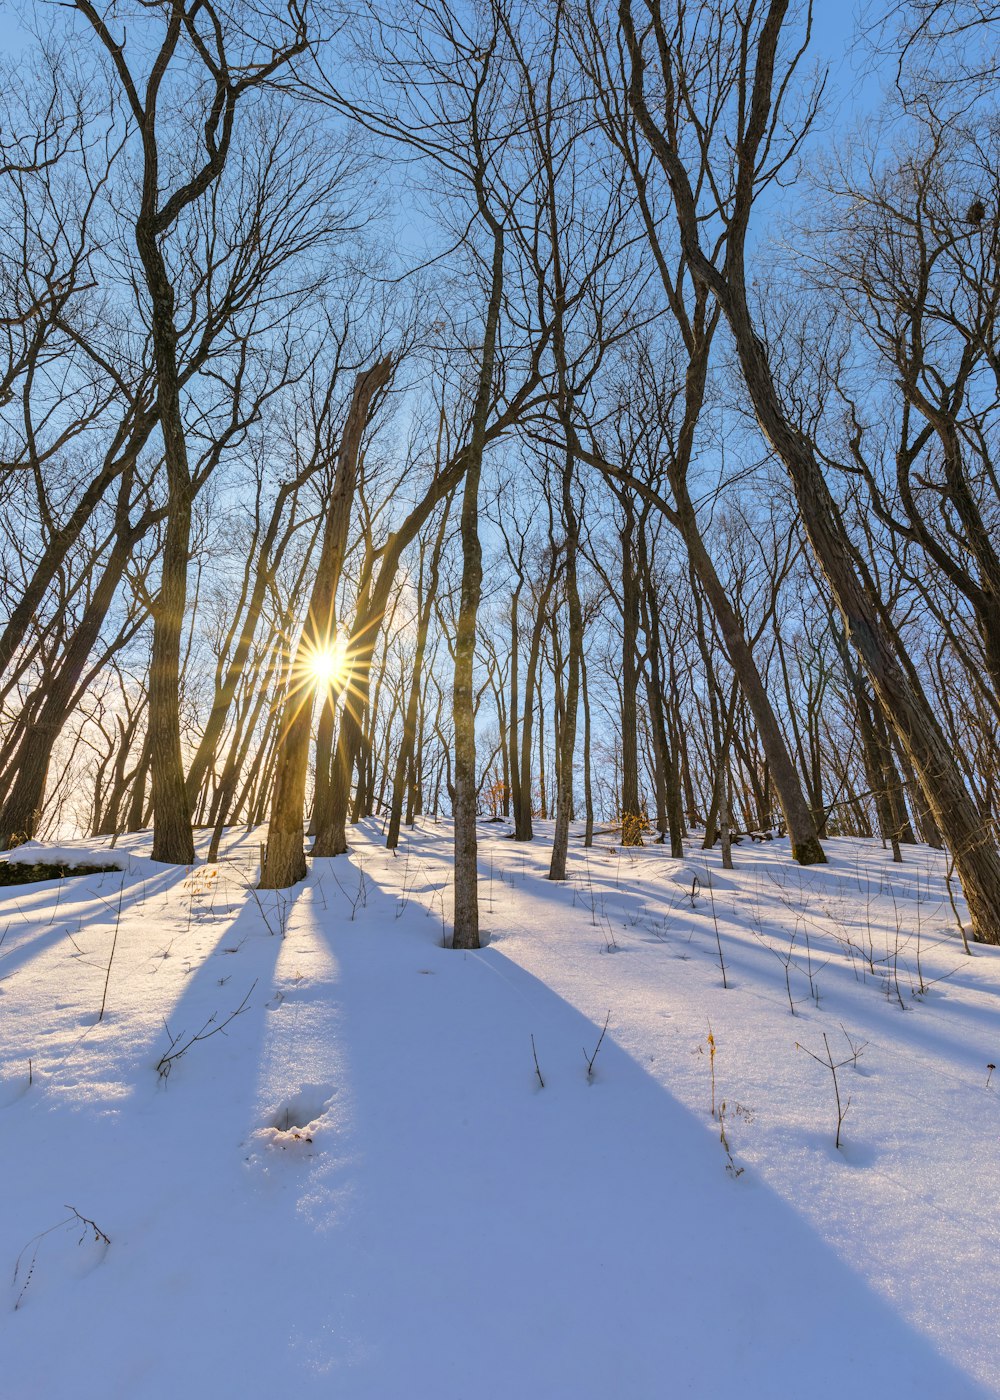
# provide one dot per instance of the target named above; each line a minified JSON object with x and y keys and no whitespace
{"x":753,"y":66}
{"x":222,"y":58}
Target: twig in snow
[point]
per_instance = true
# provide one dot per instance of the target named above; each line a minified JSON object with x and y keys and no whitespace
{"x":829,"y":1064}
{"x":356,"y":899}
{"x":591,"y":1058}
{"x":718,"y":936}
{"x":89,"y":1227}
{"x":856,"y":1050}
{"x":166,"y":1062}
{"x":282,"y":913}
{"x":114,"y":945}
{"x":537,"y":1070}
{"x":731,"y":1167}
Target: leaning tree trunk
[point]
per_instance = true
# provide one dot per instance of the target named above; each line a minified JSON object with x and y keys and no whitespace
{"x":331,"y":831}
{"x":23,"y":804}
{"x":285,"y":861}
{"x":270,"y":551}
{"x":110,"y":818}
{"x":805,"y":842}
{"x":902,"y":699}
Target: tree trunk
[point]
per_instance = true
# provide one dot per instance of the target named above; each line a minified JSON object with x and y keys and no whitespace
{"x":406,"y":758}
{"x":899,"y":694}
{"x":172,"y":837}
{"x":588,"y":789}
{"x":522,"y":811}
{"x":567,"y":737}
{"x":466,"y":923}
{"x":285,"y":861}
{"x":631,"y":817}
{"x":806,"y":847}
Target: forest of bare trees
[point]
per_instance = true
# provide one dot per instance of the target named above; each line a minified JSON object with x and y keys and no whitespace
{"x":536,"y":410}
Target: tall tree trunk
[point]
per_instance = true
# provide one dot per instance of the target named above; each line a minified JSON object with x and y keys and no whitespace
{"x":522,"y":811}
{"x":466,"y":924}
{"x":514,"y":730}
{"x":631,"y":818}
{"x":588,"y":789}
{"x":173,"y":841}
{"x":405,"y":758}
{"x":567,"y":736}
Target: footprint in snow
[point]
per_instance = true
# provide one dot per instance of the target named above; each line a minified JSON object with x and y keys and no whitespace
{"x":298,"y":1120}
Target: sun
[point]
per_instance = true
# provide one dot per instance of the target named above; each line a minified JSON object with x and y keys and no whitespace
{"x":326,"y":667}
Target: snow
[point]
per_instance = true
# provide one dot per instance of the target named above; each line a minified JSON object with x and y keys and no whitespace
{"x":358,"y":1186}
{"x":72,"y":853}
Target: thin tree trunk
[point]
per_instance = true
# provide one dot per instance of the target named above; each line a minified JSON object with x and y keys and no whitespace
{"x":522,"y":811}
{"x":588,"y":790}
{"x":631,"y":818}
{"x":405,"y":758}
{"x":567,"y":745}
{"x":466,"y":923}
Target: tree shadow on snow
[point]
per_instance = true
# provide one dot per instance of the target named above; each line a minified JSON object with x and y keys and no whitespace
{"x":562,"y":1234}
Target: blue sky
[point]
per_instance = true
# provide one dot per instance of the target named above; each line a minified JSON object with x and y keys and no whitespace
{"x":13,"y":35}
{"x":834,"y":22}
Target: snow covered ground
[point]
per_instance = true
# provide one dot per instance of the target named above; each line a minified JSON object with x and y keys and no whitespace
{"x":363,"y":1185}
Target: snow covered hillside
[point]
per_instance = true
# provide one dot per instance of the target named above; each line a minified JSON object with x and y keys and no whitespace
{"x":308,"y":1150}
